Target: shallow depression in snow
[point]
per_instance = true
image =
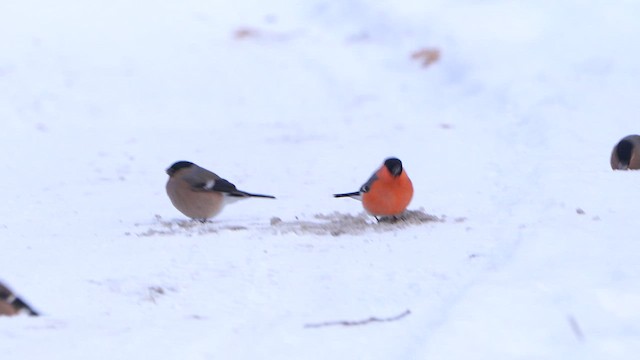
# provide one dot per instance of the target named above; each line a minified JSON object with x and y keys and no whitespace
{"x":336,"y":224}
{"x":333,"y":224}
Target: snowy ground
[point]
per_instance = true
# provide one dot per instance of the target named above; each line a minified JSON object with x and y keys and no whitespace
{"x":507,"y":137}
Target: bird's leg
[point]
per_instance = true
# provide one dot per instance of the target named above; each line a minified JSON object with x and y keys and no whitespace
{"x":390,"y":219}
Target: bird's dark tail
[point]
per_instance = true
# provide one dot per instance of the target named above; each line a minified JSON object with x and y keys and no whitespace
{"x":246,"y":194}
{"x":351,"y":194}
{"x":15,"y":302}
{"x":20,"y":305}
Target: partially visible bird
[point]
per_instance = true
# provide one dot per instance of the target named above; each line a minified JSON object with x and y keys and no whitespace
{"x":626,"y":154}
{"x":388,"y":191}
{"x":199,"y":193}
{"x":10,"y":304}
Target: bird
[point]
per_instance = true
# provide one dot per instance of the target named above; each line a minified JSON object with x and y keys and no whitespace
{"x":10,"y":304}
{"x":388,"y":191}
{"x":199,"y":193}
{"x":626,"y":154}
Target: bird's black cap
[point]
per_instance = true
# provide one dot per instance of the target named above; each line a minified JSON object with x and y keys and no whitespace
{"x":394,"y":165}
{"x":177,"y":166}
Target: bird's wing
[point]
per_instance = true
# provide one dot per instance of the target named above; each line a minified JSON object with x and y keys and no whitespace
{"x":211,"y":184}
{"x":204,"y":180}
{"x":208,"y":181}
{"x":367,"y":186}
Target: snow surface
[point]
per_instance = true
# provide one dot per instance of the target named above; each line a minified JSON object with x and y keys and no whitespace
{"x":507,"y":137}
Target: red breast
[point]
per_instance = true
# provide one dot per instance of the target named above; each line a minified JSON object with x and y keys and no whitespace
{"x":389,"y":195}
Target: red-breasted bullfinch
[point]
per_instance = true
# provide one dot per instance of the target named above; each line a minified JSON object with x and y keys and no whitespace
{"x":387,"y":193}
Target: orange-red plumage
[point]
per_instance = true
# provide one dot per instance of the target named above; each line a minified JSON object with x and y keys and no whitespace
{"x":387,"y":193}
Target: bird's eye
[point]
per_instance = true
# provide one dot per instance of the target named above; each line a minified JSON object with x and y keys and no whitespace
{"x":364,"y":188}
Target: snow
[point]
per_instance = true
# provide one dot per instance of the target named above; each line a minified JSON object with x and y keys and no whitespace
{"x":506,"y":138}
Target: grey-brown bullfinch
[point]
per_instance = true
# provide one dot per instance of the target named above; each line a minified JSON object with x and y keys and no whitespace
{"x":10,"y":304}
{"x":199,"y":193}
{"x":626,"y":154}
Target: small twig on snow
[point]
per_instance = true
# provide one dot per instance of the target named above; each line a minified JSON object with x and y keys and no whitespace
{"x":575,"y":327}
{"x":358,"y":322}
